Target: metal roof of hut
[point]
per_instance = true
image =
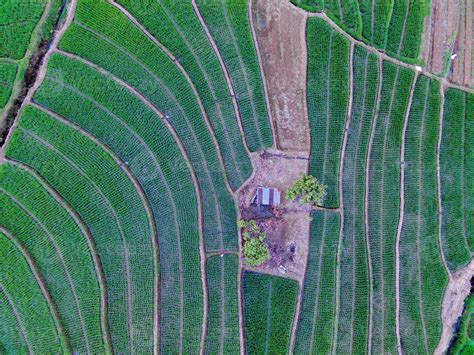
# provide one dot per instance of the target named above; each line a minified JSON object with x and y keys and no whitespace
{"x":268,"y":196}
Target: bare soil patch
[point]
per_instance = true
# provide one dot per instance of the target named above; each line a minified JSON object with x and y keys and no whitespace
{"x":447,"y":32}
{"x":286,"y":225}
{"x":281,"y":37}
{"x":458,"y":289}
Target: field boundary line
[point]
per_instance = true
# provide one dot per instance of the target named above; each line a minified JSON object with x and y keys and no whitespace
{"x":204,"y":72}
{"x":33,"y":44}
{"x":152,"y":107}
{"x":60,"y":255}
{"x":112,"y":212}
{"x":402,"y":36}
{"x":90,"y":241}
{"x":156,"y":110}
{"x":71,"y":10}
{"x":341,"y":198}
{"x":138,"y":188}
{"x":44,"y":290}
{"x":185,"y":74}
{"x":401,"y":214}
{"x":226,"y":71}
{"x":262,"y":73}
{"x":366,"y":198}
{"x":380,"y":53}
{"x":21,"y":325}
{"x":438,"y":177}
{"x":171,"y":129}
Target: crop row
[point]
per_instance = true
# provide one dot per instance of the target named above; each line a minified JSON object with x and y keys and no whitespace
{"x":315,"y":329}
{"x":355,"y":290}
{"x":327,"y":96}
{"x":394,"y":26}
{"x":422,"y":274}
{"x":176,"y":26}
{"x":269,"y":308}
{"x":132,"y":57}
{"x":15,"y":38}
{"x":384,"y":201}
{"x":456,"y":168}
{"x":223,"y":318}
{"x":141,"y":139}
{"x":406,"y":28}
{"x":7,"y":78}
{"x":23,"y":307}
{"x":229,"y":24}
{"x":95,"y":186}
{"x":60,"y":251}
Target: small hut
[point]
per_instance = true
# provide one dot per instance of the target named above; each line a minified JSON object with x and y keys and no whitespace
{"x":267,"y":196}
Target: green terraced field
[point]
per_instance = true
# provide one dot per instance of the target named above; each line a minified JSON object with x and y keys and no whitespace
{"x":269,"y":307}
{"x":126,"y":170}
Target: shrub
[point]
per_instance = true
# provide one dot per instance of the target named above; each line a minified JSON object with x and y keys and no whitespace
{"x":255,"y":250}
{"x":307,"y":190}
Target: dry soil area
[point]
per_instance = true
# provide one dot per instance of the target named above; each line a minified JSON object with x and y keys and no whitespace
{"x":458,"y":289}
{"x":286,"y":226}
{"x":280,"y":31}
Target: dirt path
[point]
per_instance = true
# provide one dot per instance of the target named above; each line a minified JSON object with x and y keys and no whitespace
{"x":401,"y":216}
{"x":44,"y":290}
{"x":29,"y":55}
{"x":386,"y":57}
{"x":189,"y":166}
{"x":23,"y":333}
{"x":41,"y":71}
{"x":226,"y":72}
{"x":90,"y":242}
{"x":146,"y":205}
{"x":185,"y":74}
{"x":366,"y":202}
{"x":341,"y":196}
{"x":458,"y":289}
{"x":281,"y":40}
{"x":438,"y":177}
{"x":62,"y":261}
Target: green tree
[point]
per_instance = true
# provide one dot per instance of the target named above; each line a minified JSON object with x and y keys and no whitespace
{"x":307,"y":190}
{"x":255,"y":250}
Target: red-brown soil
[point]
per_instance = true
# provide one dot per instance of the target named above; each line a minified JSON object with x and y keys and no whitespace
{"x":281,"y":37}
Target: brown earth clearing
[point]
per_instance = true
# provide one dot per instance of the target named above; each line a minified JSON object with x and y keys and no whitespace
{"x":281,"y":37}
{"x":458,"y":289}
{"x":286,"y":225}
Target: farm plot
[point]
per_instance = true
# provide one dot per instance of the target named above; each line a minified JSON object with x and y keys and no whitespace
{"x":354,"y":299}
{"x":21,"y":312}
{"x":229,"y":24}
{"x":392,"y":26}
{"x":175,"y":25}
{"x":59,"y":249}
{"x":384,"y":201}
{"x":223,"y":319}
{"x":7,"y":78}
{"x":126,"y":53}
{"x":327,"y":96}
{"x":315,"y":329}
{"x":423,"y":278}
{"x":269,"y":308}
{"x":456,"y":168}
{"x":17,"y":21}
{"x":95,"y":186}
{"x":406,"y":28}
{"x":140,"y":138}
